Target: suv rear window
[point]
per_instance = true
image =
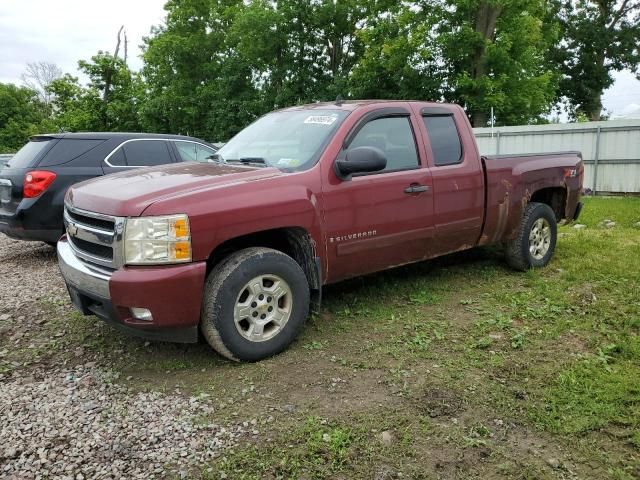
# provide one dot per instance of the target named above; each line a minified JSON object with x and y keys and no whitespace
{"x":68,"y":149}
{"x":29,"y":154}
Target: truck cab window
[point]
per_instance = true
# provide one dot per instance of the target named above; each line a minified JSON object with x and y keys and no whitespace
{"x":144,"y":153}
{"x":392,"y":135}
{"x":444,"y":138}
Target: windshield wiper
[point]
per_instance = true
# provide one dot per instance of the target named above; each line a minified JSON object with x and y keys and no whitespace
{"x":247,"y":160}
{"x":253,"y":160}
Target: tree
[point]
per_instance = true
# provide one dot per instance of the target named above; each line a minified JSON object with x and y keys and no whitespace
{"x":109,"y":102}
{"x":113,"y":91}
{"x":197,"y":82}
{"x":400,"y":59}
{"x":599,"y":37}
{"x":75,"y":107}
{"x":494,"y":52}
{"x":215,"y":66}
{"x":22,"y":114}
{"x":38,"y":76}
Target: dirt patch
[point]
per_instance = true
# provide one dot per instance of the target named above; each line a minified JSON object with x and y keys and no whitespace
{"x":435,"y":403}
{"x":314,"y":383}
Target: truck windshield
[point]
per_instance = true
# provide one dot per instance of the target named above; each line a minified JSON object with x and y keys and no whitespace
{"x":289,"y":140}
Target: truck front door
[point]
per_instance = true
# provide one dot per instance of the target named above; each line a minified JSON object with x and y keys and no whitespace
{"x":378,"y":220}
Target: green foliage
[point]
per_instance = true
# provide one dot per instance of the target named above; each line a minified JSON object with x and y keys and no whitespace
{"x":400,"y":59}
{"x":109,"y":102}
{"x":215,"y":67}
{"x":599,"y":37}
{"x":22,"y":114}
{"x":494,"y":56}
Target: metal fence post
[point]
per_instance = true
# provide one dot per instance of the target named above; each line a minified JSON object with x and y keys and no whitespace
{"x":498,"y":142}
{"x":595,"y":161}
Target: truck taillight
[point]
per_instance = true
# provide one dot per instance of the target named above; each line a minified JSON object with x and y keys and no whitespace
{"x":36,"y":182}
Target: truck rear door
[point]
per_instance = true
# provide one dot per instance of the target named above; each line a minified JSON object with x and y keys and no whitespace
{"x":457,"y":176}
{"x":381,"y":219}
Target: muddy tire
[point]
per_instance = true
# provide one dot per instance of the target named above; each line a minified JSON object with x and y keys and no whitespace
{"x":535,"y":243}
{"x":255,"y":304}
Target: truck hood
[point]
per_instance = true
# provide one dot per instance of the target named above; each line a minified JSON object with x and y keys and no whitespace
{"x":129,"y":193}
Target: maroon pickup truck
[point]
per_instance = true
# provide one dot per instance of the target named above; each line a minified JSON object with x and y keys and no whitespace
{"x":240,"y":248}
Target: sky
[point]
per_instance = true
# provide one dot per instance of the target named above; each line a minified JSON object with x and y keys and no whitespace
{"x":65,"y":31}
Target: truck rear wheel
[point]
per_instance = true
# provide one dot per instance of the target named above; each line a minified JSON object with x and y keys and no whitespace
{"x":255,"y":304}
{"x":536,"y":240}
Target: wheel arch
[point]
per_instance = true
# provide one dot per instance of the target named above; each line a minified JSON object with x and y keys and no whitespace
{"x":296,"y":242}
{"x":554,"y":197}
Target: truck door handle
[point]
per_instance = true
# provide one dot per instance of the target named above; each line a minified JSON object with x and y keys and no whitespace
{"x":416,"y":188}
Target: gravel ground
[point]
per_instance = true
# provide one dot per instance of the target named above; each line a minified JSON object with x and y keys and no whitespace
{"x":75,"y":423}
{"x":74,"y":420}
{"x":28,"y":272}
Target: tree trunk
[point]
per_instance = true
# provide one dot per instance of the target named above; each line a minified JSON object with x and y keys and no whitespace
{"x":486,"y":19}
{"x":595,"y":115}
{"x":479,"y":118}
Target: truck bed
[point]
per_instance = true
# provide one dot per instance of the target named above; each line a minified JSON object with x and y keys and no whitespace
{"x":511,"y":181}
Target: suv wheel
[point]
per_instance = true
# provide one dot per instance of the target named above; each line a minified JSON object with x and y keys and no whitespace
{"x":256,"y":302}
{"x":536,"y":240}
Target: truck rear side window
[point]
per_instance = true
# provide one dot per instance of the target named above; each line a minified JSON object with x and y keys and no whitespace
{"x":392,"y":135}
{"x":444,"y":138}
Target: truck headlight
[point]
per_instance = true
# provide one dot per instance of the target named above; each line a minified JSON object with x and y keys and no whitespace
{"x":157,"y":240}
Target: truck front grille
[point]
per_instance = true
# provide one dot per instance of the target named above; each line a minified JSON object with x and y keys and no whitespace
{"x":93,"y":248}
{"x":95,"y":238}
{"x":107,"y":225}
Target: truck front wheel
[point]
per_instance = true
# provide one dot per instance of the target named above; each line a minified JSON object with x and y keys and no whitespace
{"x":255,"y":304}
{"x":536,"y":240}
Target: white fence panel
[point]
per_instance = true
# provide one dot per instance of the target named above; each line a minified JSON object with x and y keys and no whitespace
{"x":611,"y":150}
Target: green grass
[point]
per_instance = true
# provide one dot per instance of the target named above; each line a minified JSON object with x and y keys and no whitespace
{"x":562,"y":343}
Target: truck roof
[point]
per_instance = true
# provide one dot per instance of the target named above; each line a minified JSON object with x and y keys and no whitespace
{"x":351,"y":105}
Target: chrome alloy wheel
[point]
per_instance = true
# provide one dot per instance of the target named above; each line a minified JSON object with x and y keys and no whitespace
{"x":263,"y":308}
{"x":539,"y":238}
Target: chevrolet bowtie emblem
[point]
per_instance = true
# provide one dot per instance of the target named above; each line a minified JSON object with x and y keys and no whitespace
{"x":72,"y":229}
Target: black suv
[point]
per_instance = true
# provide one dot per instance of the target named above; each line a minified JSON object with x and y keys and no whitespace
{"x":34,"y":182}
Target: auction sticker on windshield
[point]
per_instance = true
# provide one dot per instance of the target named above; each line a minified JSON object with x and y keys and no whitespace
{"x":321,"y":119}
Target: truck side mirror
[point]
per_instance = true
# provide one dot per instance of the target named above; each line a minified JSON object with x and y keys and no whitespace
{"x":360,"y":160}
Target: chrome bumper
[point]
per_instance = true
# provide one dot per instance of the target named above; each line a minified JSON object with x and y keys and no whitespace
{"x":80,"y":275}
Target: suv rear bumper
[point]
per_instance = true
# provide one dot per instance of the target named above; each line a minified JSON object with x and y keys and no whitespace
{"x":172,"y":293}
{"x":14,"y":229}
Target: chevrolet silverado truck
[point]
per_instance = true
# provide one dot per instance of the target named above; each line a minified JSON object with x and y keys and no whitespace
{"x":240,"y":248}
